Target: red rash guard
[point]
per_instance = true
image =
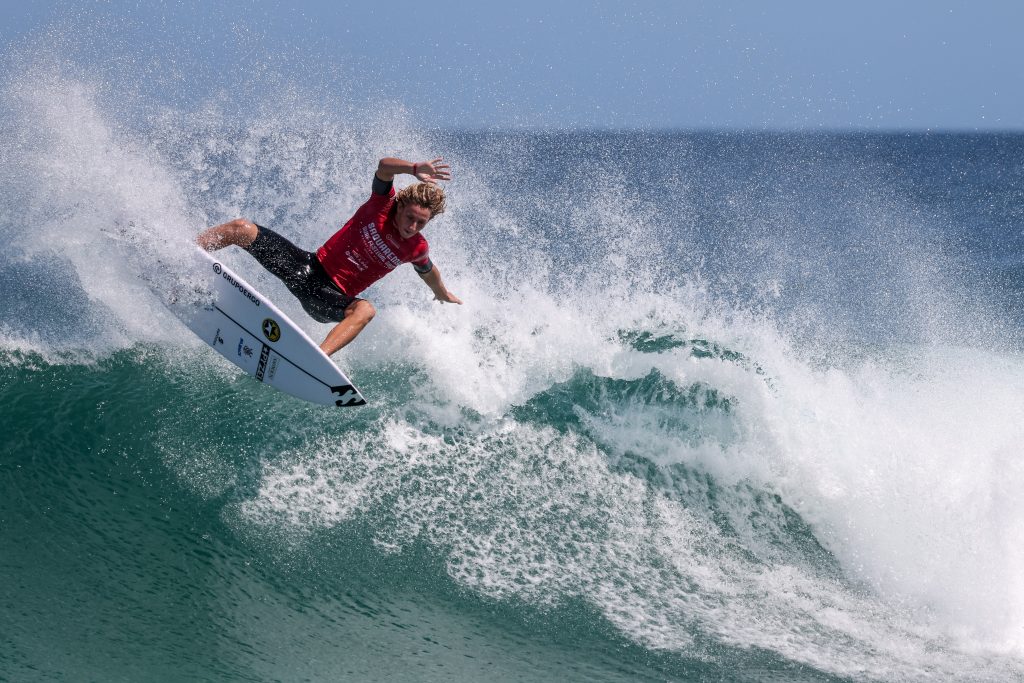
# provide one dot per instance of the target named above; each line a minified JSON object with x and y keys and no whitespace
{"x":368,"y":247}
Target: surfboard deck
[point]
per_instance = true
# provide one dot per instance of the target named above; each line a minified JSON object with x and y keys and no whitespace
{"x":245,"y":327}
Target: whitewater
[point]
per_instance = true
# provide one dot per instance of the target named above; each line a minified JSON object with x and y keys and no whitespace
{"x":718,"y":405}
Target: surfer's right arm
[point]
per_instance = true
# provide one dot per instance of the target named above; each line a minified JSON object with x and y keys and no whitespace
{"x":426,"y":171}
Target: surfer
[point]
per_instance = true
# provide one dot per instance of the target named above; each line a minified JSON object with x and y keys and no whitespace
{"x":381,"y":235}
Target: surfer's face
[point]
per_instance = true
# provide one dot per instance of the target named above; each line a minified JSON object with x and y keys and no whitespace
{"x":410,"y":219}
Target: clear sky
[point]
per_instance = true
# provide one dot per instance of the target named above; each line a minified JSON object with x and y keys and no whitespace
{"x":546,"y":64}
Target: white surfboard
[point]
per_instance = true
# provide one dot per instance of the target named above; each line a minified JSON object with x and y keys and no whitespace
{"x":250,"y":331}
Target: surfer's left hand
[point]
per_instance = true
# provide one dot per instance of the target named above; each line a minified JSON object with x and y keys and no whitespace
{"x":449,"y":298}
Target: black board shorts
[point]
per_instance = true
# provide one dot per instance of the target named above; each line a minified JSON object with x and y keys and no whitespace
{"x":303,"y":275}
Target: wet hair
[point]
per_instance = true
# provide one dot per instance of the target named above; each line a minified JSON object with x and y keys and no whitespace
{"x":427,"y":195}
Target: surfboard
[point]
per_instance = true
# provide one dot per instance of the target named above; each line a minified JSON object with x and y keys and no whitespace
{"x":246,"y":328}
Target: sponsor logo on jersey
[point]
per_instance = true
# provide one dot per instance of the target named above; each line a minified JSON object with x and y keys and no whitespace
{"x":378,"y":248}
{"x":354,"y":259}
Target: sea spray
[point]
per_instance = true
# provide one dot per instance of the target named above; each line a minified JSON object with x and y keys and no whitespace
{"x":639,"y":409}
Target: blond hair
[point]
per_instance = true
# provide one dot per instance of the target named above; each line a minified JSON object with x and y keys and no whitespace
{"x":427,"y":195}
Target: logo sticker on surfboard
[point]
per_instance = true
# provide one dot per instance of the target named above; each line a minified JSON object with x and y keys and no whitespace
{"x":271,"y":330}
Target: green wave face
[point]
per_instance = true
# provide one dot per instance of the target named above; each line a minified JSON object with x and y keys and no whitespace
{"x":582,"y":528}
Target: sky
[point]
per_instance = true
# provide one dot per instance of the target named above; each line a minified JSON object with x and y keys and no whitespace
{"x":786,"y":65}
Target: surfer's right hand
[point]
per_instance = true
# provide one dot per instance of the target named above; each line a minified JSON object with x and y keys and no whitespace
{"x":432,"y":171}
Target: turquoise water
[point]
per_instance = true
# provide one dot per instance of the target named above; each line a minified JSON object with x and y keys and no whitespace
{"x":718,"y":407}
{"x":134,"y":546}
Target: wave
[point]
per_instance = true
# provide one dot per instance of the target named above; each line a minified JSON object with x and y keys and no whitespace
{"x":599,"y":431}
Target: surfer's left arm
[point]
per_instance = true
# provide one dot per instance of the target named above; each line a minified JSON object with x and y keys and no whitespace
{"x":432,"y":276}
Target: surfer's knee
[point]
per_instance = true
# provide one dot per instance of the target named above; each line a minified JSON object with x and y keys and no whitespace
{"x":241,"y":232}
{"x":361,"y":311}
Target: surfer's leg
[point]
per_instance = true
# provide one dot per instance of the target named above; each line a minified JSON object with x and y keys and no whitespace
{"x":282,"y":259}
{"x":238,"y":232}
{"x":357,"y":316}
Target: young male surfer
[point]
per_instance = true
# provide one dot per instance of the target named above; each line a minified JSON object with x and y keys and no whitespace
{"x":382,"y":234}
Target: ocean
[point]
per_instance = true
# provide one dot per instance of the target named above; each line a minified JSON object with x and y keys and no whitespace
{"x":718,"y":407}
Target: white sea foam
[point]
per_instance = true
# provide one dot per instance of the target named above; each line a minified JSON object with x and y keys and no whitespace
{"x":905,"y":462}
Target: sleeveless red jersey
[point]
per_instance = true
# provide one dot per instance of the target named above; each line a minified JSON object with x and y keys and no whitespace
{"x":368,"y":247}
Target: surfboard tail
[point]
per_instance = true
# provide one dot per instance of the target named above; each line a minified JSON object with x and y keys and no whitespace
{"x":348,"y":396}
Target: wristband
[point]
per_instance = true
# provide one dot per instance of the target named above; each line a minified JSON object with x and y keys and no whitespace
{"x":414,"y":167}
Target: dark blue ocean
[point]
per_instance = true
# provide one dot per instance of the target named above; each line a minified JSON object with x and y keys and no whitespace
{"x":718,"y":406}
